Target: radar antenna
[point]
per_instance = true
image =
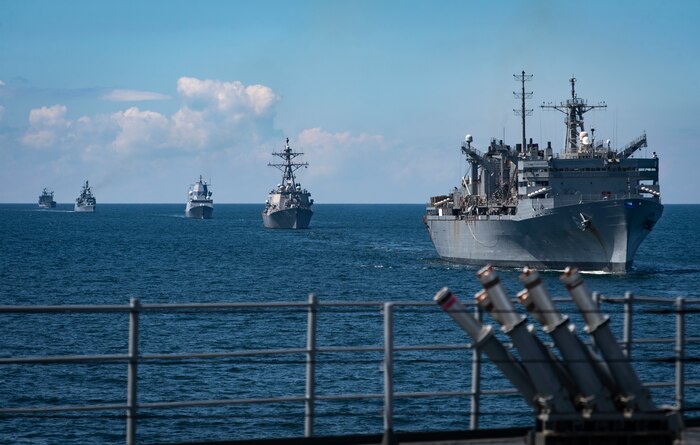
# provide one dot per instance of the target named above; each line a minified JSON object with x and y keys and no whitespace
{"x":288,"y":167}
{"x":574,"y":109}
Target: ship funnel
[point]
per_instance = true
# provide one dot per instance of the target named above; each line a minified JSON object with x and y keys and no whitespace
{"x":633,"y":394}
{"x":484,"y":339}
{"x":592,"y":395}
{"x":543,"y":369}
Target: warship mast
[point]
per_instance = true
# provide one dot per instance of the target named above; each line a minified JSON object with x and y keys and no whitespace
{"x":522,"y":77}
{"x":574,"y":109}
{"x":288,"y":167}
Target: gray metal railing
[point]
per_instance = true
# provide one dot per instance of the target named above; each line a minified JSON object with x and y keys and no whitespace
{"x":133,"y":358}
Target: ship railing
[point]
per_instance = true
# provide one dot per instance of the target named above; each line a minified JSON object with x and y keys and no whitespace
{"x":684,"y":351}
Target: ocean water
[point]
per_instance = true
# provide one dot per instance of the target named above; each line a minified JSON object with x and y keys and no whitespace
{"x":350,"y":253}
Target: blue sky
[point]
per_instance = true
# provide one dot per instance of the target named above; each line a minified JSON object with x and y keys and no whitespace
{"x":143,"y":97}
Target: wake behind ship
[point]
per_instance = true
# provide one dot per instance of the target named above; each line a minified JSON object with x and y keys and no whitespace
{"x":199,"y":202}
{"x":86,"y":202}
{"x":288,"y":206}
{"x":589,"y":207}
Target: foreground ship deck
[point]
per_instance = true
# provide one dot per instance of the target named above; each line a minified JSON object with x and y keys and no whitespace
{"x":589,"y":206}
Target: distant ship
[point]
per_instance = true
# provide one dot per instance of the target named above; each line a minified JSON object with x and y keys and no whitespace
{"x":288,"y":206}
{"x":199,"y":202}
{"x":589,"y":207}
{"x":85,"y":202}
{"x":46,"y":200}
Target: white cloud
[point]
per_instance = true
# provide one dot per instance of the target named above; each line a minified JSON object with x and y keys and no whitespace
{"x":331,"y":151}
{"x":140,"y":130}
{"x":47,"y":126}
{"x":133,"y":96}
{"x":214,"y":115}
{"x":227,"y":97}
{"x":2,"y":84}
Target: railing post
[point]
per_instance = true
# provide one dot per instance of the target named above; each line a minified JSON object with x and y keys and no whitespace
{"x":680,"y":354}
{"x":310,"y":367}
{"x":476,"y":380}
{"x":388,"y":438}
{"x":132,"y":379}
{"x":627,"y":325}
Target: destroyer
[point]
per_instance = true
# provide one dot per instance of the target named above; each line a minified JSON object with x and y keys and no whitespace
{"x":46,"y":200}
{"x":288,"y":206}
{"x":590,"y":206}
{"x":85,"y":202}
{"x":199,"y":203}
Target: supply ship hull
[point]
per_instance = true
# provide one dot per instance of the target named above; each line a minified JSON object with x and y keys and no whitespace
{"x":553,"y":239}
{"x":590,"y":206}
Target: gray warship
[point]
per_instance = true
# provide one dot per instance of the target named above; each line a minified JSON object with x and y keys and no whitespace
{"x":288,"y":206}
{"x":86,"y":202}
{"x":590,"y":206}
{"x":46,"y":200}
{"x":199,"y":202}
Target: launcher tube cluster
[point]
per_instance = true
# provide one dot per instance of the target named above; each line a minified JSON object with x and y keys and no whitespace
{"x":582,"y":383}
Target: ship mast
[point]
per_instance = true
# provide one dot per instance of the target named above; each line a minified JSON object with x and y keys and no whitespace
{"x":288,"y":167}
{"x":574,"y":109}
{"x":522,"y":77}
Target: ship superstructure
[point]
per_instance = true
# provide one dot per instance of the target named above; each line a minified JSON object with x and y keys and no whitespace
{"x":199,"y":202}
{"x":85,"y":202}
{"x":288,"y":206}
{"x":46,"y":200}
{"x":590,"y":206}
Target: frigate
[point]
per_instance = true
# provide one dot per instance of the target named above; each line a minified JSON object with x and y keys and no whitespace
{"x":590,"y":206}
{"x":288,"y":206}
{"x":86,"y":201}
{"x":46,"y":200}
{"x":199,"y":202}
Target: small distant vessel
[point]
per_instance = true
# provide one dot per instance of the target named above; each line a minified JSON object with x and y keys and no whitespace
{"x":46,"y":200}
{"x":199,"y":202}
{"x":85,"y":202}
{"x":288,"y":206}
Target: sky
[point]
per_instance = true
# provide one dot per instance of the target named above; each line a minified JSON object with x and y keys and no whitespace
{"x":142,"y":97}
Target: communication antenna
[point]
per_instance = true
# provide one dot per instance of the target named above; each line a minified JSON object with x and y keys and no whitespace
{"x":522,"y":78}
{"x":574,"y":109}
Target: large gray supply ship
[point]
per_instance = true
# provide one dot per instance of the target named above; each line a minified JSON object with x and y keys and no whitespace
{"x":86,"y":202}
{"x":199,"y":202}
{"x":288,"y":206}
{"x":46,"y":200}
{"x":589,"y":207}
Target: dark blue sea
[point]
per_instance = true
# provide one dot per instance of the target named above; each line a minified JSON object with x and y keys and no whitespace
{"x":350,"y":253}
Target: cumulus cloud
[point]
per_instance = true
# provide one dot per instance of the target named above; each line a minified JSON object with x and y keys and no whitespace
{"x":133,"y":96}
{"x":231,"y":97}
{"x":331,"y":151}
{"x":47,"y":125}
{"x":214,"y":115}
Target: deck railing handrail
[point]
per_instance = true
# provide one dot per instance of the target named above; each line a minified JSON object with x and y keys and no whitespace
{"x":679,"y":306}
